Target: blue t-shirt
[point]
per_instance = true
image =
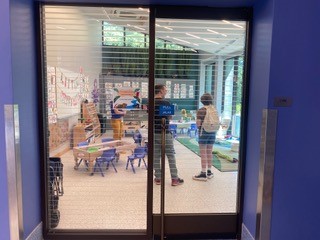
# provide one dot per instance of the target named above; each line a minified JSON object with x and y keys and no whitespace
{"x":157,"y":118}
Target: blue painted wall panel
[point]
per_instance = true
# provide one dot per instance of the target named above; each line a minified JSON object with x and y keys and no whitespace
{"x":295,"y":72}
{"x":6,"y":97}
{"x":259,"y":85}
{"x":25,"y":95}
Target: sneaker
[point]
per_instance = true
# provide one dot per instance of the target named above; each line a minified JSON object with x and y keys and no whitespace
{"x":177,"y":181}
{"x":200,"y":177}
{"x":157,"y":181}
{"x":209,"y":174}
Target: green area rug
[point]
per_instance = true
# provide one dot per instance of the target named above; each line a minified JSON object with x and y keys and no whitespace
{"x":221,"y":164}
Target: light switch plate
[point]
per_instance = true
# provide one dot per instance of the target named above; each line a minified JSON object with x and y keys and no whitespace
{"x":282,"y":101}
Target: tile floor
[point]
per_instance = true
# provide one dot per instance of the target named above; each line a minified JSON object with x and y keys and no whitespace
{"x":118,"y":200}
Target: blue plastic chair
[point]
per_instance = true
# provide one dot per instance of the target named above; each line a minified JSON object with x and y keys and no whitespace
{"x":108,"y":156}
{"x":106,"y":139}
{"x":193,"y":127}
{"x":173,"y":129}
{"x":138,"y":153}
{"x":82,"y":144}
{"x":137,"y":138}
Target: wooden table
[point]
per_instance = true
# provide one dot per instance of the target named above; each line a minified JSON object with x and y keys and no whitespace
{"x":86,"y":153}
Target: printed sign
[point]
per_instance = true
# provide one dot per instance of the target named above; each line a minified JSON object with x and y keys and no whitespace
{"x":166,"y":110}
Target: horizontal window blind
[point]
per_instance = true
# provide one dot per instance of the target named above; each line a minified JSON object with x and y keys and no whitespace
{"x":97,"y":94}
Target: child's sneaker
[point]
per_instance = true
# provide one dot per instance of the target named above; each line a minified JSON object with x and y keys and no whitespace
{"x":177,"y":181}
{"x":209,"y":174}
{"x":157,"y":181}
{"x":200,"y":177}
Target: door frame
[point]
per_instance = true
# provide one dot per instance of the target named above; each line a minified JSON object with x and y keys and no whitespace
{"x":186,"y":228}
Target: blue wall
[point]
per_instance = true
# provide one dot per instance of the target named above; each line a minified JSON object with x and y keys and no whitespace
{"x":285,"y":62}
{"x":6,"y":97}
{"x":295,"y":72}
{"x":258,"y":100}
{"x":23,"y":43}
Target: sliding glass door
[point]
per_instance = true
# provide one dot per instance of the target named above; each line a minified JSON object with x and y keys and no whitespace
{"x":196,"y":58}
{"x":103,"y":68}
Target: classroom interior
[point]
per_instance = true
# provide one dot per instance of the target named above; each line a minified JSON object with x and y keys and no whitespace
{"x":96,"y":55}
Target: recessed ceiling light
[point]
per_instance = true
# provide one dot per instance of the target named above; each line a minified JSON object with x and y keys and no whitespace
{"x":191,"y":35}
{"x":139,"y":28}
{"x":207,"y":40}
{"x":237,"y":25}
{"x":180,"y":40}
{"x":210,"y":30}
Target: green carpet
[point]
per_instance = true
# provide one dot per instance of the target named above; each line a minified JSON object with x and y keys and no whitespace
{"x":221,"y":164}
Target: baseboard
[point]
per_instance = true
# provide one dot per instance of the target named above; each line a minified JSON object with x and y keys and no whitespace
{"x":36,"y":234}
{"x":246,"y":235}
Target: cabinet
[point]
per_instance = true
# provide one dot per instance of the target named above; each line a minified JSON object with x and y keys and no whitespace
{"x":83,"y":132}
{"x":89,"y":128}
{"x":135,"y":119}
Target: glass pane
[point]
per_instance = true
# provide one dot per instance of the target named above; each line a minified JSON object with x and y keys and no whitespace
{"x":96,"y":65}
{"x":202,"y":56}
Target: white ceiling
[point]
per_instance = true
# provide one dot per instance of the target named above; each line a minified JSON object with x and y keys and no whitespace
{"x":211,"y":36}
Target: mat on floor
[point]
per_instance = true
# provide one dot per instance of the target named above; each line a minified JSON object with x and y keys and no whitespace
{"x":221,"y":164}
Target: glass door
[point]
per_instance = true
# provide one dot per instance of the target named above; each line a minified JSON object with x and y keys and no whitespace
{"x":106,"y":71}
{"x":95,"y":64}
{"x":198,"y":66}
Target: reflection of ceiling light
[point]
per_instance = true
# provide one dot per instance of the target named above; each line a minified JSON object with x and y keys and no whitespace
{"x":195,"y":44}
{"x":191,"y":35}
{"x":209,"y":30}
{"x":139,"y":28}
{"x":234,"y":24}
{"x":158,"y":25}
{"x":180,"y":40}
{"x":60,"y":27}
{"x":142,"y":9}
{"x":237,"y":25}
{"x":168,"y":28}
{"x":194,"y":50}
{"x":207,"y":40}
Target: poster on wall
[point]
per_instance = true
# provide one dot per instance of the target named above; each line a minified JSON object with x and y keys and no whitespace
{"x":126,"y":84}
{"x":144,"y":90}
{"x":176,"y":90}
{"x":183,"y":90}
{"x":168,"y":85}
{"x":51,"y":93}
{"x":126,"y":98}
{"x":191,"y":91}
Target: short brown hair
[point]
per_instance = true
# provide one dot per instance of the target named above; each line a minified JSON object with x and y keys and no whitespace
{"x":158,"y":88}
{"x":206,"y":99}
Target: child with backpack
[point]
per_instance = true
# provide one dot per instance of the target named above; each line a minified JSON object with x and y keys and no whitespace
{"x":208,"y":124}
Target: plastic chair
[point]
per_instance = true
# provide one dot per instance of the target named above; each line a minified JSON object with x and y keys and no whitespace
{"x":137,"y":138}
{"x":193,"y":127}
{"x":138,"y":153}
{"x":173,"y":129}
{"x":106,"y":139}
{"x":107,"y":157}
{"x":82,"y":144}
